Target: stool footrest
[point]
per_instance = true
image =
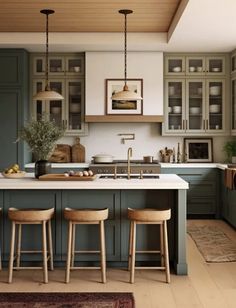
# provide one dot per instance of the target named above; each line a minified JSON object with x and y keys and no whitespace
{"x":87,"y":251}
{"x":147,"y":251}
{"x":150,"y":267}
{"x":85,"y":267}
{"x":27,"y":267}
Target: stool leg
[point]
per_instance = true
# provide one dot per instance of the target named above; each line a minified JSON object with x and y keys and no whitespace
{"x":166,"y":253}
{"x":68,"y":261}
{"x":50,"y":244}
{"x":161,"y":245}
{"x":133,"y":251}
{"x":13,"y":229}
{"x":18,"y":253}
{"x":130,"y":245}
{"x":102,"y":251}
{"x":45,"y":263}
{"x":73,"y":245}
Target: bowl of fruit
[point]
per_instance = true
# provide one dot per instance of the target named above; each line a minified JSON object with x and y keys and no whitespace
{"x":13,"y":172}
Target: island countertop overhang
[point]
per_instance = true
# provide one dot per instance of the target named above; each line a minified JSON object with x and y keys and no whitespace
{"x":165,"y":181}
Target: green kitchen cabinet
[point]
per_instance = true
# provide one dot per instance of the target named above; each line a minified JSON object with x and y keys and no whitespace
{"x":202,"y":196}
{"x":31,"y":234}
{"x":87,"y":236}
{"x":13,"y":105}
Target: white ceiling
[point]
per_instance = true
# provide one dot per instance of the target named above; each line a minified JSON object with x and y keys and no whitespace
{"x":205,"y":26}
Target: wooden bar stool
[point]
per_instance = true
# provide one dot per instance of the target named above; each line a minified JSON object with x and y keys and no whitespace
{"x":149,"y":216}
{"x":85,"y":216}
{"x":30,"y":217}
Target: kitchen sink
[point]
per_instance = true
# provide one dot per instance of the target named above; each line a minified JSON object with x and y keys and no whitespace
{"x":132,"y":176}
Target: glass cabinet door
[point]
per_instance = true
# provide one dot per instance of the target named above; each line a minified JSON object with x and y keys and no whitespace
{"x":74,"y":65}
{"x":234,"y":104}
{"x":55,"y":109}
{"x":215,"y":65}
{"x":174,"y":65}
{"x":195,"y":66}
{"x":56,"y":66}
{"x":174,"y":105}
{"x":75,"y":108}
{"x":195,"y":111}
{"x":39,"y":66}
{"x":215,"y":105}
{"x":38,"y":105}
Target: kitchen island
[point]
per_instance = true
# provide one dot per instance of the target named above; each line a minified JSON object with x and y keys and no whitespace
{"x":168,"y":190}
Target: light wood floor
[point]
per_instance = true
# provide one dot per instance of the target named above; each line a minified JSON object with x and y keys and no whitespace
{"x":207,"y":285}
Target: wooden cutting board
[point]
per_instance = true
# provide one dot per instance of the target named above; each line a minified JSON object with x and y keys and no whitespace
{"x":78,"y":152}
{"x":61,"y":154}
{"x":62,"y":177}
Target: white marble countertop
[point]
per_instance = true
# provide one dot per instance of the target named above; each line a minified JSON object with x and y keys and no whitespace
{"x":165,"y":181}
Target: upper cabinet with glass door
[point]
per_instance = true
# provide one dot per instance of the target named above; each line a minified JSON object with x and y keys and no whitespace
{"x":194,"y":65}
{"x":66,"y":76}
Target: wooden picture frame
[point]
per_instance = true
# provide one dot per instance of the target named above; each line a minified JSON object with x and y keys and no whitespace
{"x":198,"y":150}
{"x":123,"y":107}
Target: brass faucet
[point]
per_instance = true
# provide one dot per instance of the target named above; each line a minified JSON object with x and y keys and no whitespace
{"x":129,"y":154}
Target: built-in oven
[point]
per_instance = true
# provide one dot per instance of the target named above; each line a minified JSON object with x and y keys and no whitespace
{"x":120,"y":166}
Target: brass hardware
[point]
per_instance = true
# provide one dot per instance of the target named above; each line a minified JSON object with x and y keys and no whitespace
{"x":115,"y":172}
{"x":141,"y":174}
{"x":129,"y":154}
{"x":130,"y":137}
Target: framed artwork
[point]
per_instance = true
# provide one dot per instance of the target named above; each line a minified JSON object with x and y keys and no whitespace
{"x":198,"y":150}
{"x":123,"y":107}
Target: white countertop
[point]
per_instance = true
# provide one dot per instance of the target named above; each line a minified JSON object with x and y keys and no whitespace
{"x":62,"y":165}
{"x":194,"y":165}
{"x":165,"y":181}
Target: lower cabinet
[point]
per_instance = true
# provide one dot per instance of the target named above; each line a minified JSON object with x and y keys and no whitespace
{"x":202,"y":195}
{"x":228,"y":202}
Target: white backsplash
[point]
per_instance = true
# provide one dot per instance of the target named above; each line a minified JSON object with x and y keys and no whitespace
{"x":103,"y":138}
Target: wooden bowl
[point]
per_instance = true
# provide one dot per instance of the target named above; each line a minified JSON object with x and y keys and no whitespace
{"x":17,"y":175}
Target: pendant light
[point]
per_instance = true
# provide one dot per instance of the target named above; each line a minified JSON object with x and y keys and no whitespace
{"x":125,"y":94}
{"x":47,"y":94}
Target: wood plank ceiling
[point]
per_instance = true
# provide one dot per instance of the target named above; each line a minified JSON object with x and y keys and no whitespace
{"x":87,"y":15}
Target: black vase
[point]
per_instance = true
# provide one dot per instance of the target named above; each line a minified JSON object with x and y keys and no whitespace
{"x":42,"y":167}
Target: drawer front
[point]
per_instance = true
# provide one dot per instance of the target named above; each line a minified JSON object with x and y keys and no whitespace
{"x":203,"y":188}
{"x":201,"y":206}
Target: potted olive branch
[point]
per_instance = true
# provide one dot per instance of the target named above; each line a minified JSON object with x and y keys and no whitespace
{"x":230,"y":150}
{"x":41,"y":136}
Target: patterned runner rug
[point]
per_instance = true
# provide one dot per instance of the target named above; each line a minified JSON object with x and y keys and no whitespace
{"x":67,"y":300}
{"x":214,"y":244}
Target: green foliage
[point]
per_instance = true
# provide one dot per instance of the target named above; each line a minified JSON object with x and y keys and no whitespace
{"x":230,"y":149}
{"x":41,"y":136}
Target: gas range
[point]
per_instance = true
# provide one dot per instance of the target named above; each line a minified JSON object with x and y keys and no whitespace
{"x":136,"y":167}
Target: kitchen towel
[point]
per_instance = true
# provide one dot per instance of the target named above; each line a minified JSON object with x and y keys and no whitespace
{"x":230,"y":178}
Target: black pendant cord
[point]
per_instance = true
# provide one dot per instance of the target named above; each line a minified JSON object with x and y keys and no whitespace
{"x":125,"y":49}
{"x":47,"y":84}
{"x":47,"y":12}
